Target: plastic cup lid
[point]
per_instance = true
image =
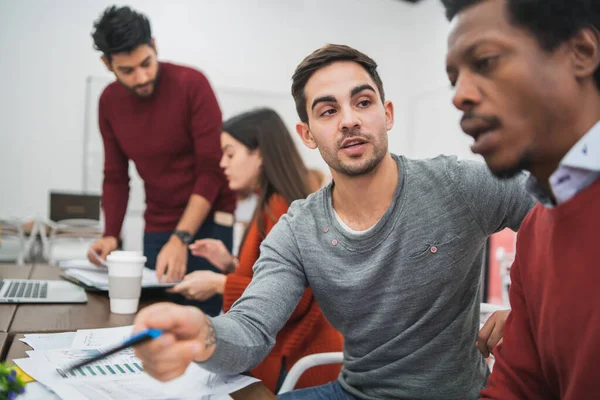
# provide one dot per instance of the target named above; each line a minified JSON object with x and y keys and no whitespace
{"x":126,"y":256}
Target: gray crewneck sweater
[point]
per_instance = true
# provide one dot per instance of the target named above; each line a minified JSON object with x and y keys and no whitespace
{"x":405,"y":295}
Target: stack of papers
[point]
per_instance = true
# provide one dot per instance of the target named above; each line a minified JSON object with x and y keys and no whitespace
{"x":93,"y":277}
{"x":120,"y":376}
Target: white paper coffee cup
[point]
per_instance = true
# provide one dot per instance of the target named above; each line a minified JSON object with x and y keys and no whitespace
{"x":125,"y":269}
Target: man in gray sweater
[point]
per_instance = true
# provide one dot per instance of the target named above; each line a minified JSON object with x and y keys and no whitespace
{"x":392,"y":250}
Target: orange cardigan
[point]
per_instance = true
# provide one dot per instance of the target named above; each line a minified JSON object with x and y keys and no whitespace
{"x":306,"y":332}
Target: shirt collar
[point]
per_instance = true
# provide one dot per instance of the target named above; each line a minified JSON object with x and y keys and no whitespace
{"x":577,"y":170}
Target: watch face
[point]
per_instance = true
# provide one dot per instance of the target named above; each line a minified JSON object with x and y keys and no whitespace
{"x":185,"y":237}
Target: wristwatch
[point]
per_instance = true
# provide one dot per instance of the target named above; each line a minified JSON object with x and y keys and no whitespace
{"x":184,"y":236}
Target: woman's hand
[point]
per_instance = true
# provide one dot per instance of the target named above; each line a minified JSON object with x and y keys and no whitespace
{"x":215,"y":252}
{"x":200,"y":285}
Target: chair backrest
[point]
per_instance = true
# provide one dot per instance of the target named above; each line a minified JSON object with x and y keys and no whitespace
{"x":68,"y":206}
{"x":305,"y":363}
{"x":68,"y":239}
{"x":12,"y":241}
{"x":76,"y":228}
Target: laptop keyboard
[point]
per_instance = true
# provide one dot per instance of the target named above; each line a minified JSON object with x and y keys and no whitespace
{"x":26,"y":290}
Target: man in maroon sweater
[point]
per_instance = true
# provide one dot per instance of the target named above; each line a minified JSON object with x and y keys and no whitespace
{"x":527,"y":77}
{"x":166,"y":119}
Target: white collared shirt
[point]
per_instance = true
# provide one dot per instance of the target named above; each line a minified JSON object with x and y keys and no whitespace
{"x":578,"y":169}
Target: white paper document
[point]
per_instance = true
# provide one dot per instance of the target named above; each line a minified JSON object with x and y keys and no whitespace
{"x":120,"y":376}
{"x":99,"y":338}
{"x":49,"y":341}
{"x":37,"y":391}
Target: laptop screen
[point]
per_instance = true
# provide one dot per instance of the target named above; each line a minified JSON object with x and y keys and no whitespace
{"x":74,"y":206}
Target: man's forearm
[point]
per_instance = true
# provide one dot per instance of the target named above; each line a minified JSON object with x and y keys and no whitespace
{"x":114,"y":205}
{"x":246,"y":333}
{"x":194,"y":215}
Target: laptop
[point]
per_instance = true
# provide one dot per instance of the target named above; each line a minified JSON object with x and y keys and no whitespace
{"x":74,"y":206}
{"x":21,"y":291}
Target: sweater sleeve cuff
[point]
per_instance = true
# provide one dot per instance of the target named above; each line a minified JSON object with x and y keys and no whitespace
{"x":110,"y":230}
{"x":228,"y":357}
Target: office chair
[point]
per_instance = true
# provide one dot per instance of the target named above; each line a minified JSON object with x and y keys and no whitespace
{"x":12,"y":241}
{"x":17,"y":239}
{"x":305,"y":363}
{"x":69,"y":238}
{"x":73,"y":225}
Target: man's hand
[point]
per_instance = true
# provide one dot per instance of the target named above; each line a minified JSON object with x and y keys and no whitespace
{"x":102,"y":247}
{"x":172,"y":260}
{"x":491,"y":332}
{"x":215,"y":252}
{"x":188,"y":335}
{"x":200,"y":285}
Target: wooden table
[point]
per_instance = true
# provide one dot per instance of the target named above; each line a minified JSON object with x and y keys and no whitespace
{"x":17,"y":349}
{"x":40,"y":318}
{"x":7,"y":311}
{"x":255,"y":391}
{"x":3,"y":342}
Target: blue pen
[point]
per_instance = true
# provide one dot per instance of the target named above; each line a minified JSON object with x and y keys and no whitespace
{"x":136,"y":339}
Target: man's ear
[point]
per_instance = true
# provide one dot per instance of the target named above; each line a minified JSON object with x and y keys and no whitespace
{"x":389,"y":115}
{"x":305,"y":135}
{"x":106,"y":63}
{"x":585,"y":47}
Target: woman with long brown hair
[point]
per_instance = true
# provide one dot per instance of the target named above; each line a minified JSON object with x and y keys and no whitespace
{"x":259,"y":155}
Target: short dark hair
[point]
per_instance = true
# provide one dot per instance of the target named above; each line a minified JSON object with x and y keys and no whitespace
{"x":551,"y":22}
{"x":120,"y":30}
{"x":323,"y":57}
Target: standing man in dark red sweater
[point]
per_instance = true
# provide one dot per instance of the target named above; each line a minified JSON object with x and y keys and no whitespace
{"x":166,"y":119}
{"x":527,"y":78}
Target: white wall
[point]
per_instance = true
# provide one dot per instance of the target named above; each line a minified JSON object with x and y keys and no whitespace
{"x":46,"y":54}
{"x":433,"y":122}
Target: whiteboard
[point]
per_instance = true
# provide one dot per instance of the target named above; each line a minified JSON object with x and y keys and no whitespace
{"x":232,"y":101}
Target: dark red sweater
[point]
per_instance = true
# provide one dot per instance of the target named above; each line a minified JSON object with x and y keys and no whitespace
{"x":551,"y":341}
{"x":173,"y":137}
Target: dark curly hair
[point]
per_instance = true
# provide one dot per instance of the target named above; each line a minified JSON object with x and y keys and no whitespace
{"x":551,"y":22}
{"x":120,"y":30}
